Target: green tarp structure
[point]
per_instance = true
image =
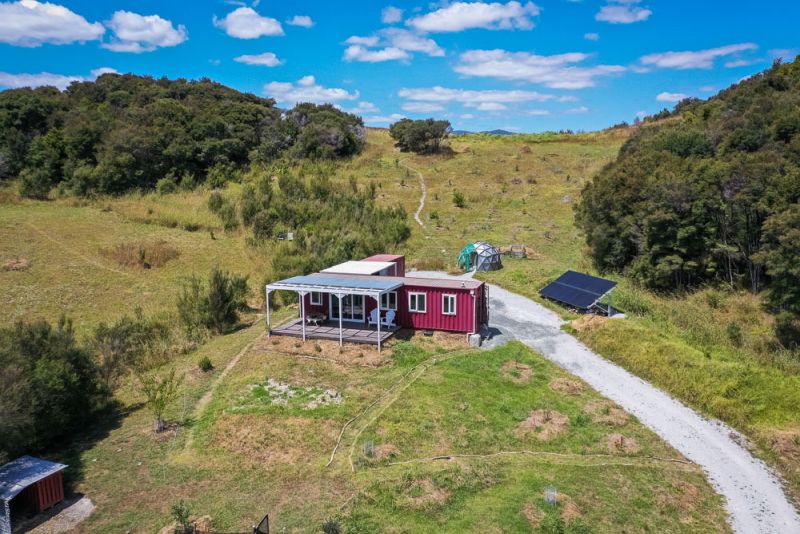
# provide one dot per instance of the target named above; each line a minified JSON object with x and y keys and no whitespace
{"x":480,"y":256}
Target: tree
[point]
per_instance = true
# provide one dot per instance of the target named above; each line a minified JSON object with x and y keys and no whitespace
{"x":780,"y":256}
{"x":159,"y":392}
{"x":49,"y":385}
{"x":420,"y":136}
{"x":212,"y":305}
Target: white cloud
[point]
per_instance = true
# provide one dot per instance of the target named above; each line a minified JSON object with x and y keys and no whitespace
{"x":786,"y":54}
{"x":707,"y":88}
{"x":389,"y":44}
{"x":267,"y":59}
{"x":31,"y":23}
{"x":460,"y":16}
{"x":697,"y":59}
{"x":491,"y":106}
{"x":61,"y":81}
{"x":142,"y":33}
{"x":734,"y":63}
{"x":422,"y":107}
{"x":469,"y":97}
{"x":642,"y":114}
{"x":377,"y":119}
{"x":246,"y":23}
{"x":467,"y":116}
{"x":363,"y":107}
{"x":367,"y":55}
{"x":306,"y":90}
{"x":591,"y":36}
{"x":671,"y":97}
{"x":391,"y":15}
{"x":537,"y":112}
{"x":303,"y":21}
{"x":623,"y":12}
{"x":573,"y":111}
{"x":558,"y":71}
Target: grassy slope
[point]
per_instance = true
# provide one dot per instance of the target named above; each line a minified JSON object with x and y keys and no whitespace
{"x":251,"y":457}
{"x":682,"y":344}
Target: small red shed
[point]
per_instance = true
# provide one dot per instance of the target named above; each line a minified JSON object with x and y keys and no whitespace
{"x":398,"y":260}
{"x":29,"y":484}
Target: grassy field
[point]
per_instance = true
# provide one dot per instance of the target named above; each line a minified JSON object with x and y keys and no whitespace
{"x":245,"y":453}
{"x":255,"y":449}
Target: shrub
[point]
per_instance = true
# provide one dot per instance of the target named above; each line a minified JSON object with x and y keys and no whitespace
{"x":215,"y":201}
{"x":49,"y":385}
{"x":166,"y":186}
{"x":734,"y":332}
{"x":205,"y":364}
{"x":145,"y":255}
{"x":181,"y":513}
{"x":421,"y":136}
{"x":787,"y":330}
{"x":331,"y":526}
{"x":212,"y":305}
{"x":458,"y":199}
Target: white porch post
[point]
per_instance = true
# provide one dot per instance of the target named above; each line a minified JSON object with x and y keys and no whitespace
{"x":339,"y":297}
{"x":378,"y":302}
{"x":303,"y":312}
{"x":269,"y":331}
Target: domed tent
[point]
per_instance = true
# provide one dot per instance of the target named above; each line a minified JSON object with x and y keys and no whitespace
{"x":480,"y":256}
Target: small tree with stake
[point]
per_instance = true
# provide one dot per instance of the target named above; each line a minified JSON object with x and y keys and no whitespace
{"x":159,"y":393}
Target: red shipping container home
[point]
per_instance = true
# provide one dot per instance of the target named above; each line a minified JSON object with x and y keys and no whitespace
{"x":29,"y":485}
{"x":342,"y":302}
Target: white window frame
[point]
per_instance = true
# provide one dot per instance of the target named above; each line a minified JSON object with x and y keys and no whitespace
{"x":417,"y":309}
{"x":386,"y":306}
{"x":315,"y":301}
{"x":453,"y":299}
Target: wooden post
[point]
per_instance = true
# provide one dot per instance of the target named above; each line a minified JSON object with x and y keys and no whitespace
{"x":339,"y":298}
{"x":609,"y":304}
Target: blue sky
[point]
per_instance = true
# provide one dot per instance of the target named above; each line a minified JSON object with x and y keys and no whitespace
{"x":523,"y":66}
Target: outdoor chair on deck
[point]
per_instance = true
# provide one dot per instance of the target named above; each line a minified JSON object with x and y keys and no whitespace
{"x":388,"y":321}
{"x":374,"y":317}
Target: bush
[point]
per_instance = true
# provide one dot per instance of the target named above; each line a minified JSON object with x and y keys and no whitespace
{"x":458,"y":199}
{"x":421,"y":136}
{"x":49,"y":386}
{"x":212,"y":305}
{"x":205,"y":364}
{"x":331,"y":526}
{"x":215,"y":201}
{"x":166,"y":186}
{"x":787,"y":330}
{"x":35,"y":183}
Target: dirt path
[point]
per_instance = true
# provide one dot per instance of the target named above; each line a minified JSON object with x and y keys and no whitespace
{"x":423,"y":191}
{"x":755,"y":498}
{"x":73,"y":253}
{"x":208,"y":395}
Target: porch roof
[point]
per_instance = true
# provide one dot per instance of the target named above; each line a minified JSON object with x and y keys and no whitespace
{"x":324,"y":283}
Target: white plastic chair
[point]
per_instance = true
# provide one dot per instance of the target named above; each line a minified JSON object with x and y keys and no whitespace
{"x":388,"y":321}
{"x":373,"y":317}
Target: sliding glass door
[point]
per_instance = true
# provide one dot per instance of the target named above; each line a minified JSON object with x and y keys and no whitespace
{"x":352,"y":308}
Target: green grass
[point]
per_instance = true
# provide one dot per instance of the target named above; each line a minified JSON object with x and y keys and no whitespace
{"x":271,"y":458}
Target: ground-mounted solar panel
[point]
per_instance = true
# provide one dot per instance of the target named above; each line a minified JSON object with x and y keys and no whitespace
{"x":578,"y":290}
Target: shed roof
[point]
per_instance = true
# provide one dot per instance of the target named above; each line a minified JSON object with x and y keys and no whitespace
{"x":419,"y":281}
{"x":359,"y":267}
{"x":384,"y":257}
{"x":331,"y":283}
{"x":23,"y":472}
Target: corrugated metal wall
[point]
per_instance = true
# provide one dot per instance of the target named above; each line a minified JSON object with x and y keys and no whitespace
{"x":467,"y":318}
{"x":47,"y":492}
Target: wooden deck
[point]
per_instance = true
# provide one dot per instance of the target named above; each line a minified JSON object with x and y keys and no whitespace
{"x":351,"y":332}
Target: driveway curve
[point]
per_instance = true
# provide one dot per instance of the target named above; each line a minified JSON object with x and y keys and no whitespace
{"x":755,"y":498}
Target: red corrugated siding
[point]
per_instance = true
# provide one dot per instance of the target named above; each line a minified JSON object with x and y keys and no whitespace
{"x":465,"y":320}
{"x":47,"y":492}
{"x":433,"y":318}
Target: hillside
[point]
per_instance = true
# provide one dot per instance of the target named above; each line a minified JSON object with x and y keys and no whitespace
{"x":519,"y":189}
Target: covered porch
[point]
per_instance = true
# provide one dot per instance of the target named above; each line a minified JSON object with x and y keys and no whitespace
{"x":330,"y":330}
{"x":347,"y":319}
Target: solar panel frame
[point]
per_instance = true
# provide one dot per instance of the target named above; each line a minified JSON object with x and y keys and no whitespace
{"x":576,"y":289}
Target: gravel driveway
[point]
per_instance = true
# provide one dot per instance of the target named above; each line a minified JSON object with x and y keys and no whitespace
{"x":755,"y":499}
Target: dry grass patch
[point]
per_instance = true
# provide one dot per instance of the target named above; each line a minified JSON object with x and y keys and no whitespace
{"x":567,"y":386}
{"x":17,"y":264}
{"x":588,"y":323}
{"x":348,"y":354}
{"x":143,"y":255}
{"x":606,"y":412}
{"x":684,"y":497}
{"x":619,"y":444}
{"x":424,"y":494}
{"x":544,"y":424}
{"x":517,"y":372}
{"x":269,"y":440}
{"x":384,"y":451}
{"x":438,"y":342}
{"x":533,"y":514}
